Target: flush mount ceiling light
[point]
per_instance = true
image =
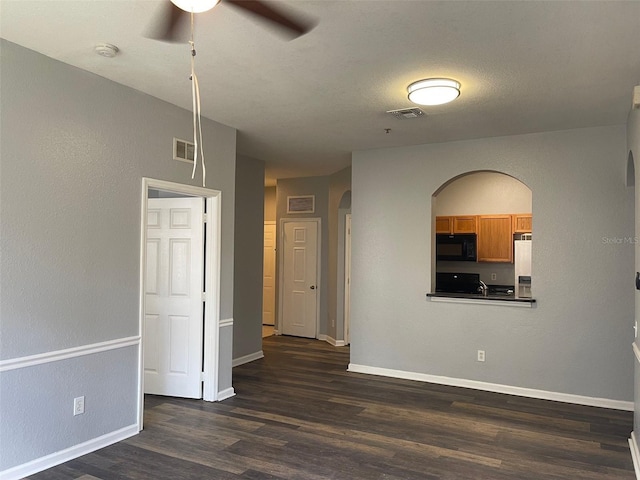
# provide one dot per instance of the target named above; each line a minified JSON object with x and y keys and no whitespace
{"x":433,"y":91}
{"x":195,"y":6}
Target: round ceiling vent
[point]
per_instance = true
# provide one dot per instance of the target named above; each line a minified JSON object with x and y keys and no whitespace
{"x":107,"y":50}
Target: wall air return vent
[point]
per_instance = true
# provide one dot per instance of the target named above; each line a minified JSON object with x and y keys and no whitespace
{"x":406,"y":113}
{"x":183,"y":150}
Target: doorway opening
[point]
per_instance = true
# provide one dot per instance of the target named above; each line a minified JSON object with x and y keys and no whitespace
{"x":347,"y":280}
{"x":179,"y":290}
{"x":269,"y":276}
{"x":269,"y":315}
{"x":343,"y":269}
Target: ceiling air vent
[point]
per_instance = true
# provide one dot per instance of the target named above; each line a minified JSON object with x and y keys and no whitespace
{"x":406,"y":113}
{"x":183,"y":150}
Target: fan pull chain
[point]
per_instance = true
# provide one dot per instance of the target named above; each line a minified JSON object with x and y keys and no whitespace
{"x":197,"y":119}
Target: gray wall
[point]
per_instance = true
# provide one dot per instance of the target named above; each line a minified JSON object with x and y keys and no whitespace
{"x":74,"y":150}
{"x":576,"y":340}
{"x":318,"y":186}
{"x":249,"y":232}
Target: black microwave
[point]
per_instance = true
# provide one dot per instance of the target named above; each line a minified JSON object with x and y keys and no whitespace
{"x":459,"y":248}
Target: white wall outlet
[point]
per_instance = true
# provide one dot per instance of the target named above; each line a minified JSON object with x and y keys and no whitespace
{"x":481,"y":355}
{"x":494,"y":276}
{"x":78,"y":406}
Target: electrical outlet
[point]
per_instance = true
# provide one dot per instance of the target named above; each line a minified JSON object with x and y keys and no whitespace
{"x":494,"y":276}
{"x":78,"y":406}
{"x":481,"y":355}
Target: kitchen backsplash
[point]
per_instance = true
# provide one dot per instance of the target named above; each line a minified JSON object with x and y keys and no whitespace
{"x":504,"y":271}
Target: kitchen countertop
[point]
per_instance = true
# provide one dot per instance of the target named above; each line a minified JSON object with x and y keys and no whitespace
{"x":479,"y":297}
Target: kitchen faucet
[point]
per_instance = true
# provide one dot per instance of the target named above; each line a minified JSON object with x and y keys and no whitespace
{"x":483,"y":288}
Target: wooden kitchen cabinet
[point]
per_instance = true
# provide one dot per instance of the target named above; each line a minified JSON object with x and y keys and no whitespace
{"x":522,"y":223}
{"x":456,"y":224}
{"x":464,"y":224}
{"x":495,"y":238}
{"x":444,"y":224}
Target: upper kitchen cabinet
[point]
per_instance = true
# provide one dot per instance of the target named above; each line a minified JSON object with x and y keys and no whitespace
{"x":444,"y":225}
{"x":495,"y":238}
{"x":466,"y":224}
{"x":522,"y":223}
{"x":456,"y":224}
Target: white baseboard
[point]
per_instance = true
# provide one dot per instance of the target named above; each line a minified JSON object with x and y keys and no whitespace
{"x":330,"y":340}
{"x":43,"y":463}
{"x":226,"y":393}
{"x":494,"y":387}
{"x":247,"y":358}
{"x":635,"y":453}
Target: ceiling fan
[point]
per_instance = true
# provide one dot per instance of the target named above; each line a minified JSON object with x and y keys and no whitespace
{"x":172,"y":24}
{"x":175,"y":24}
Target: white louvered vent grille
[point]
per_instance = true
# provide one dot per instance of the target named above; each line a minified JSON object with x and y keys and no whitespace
{"x":406,"y":113}
{"x":183,"y":150}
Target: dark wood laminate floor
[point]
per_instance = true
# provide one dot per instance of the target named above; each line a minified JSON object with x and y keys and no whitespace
{"x":298,"y":414}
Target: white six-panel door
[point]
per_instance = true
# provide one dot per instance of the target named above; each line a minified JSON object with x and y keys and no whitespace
{"x":300,"y":288}
{"x":173,"y":317}
{"x":269,"y":275}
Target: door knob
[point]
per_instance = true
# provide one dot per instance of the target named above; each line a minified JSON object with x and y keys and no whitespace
{"x":312,"y":287}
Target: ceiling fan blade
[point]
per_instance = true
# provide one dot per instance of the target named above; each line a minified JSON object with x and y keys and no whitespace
{"x":295,"y":26}
{"x":170,"y":25}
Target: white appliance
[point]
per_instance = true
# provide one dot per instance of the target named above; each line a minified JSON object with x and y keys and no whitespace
{"x":522,"y":266}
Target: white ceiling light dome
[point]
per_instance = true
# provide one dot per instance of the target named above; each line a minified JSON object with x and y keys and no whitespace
{"x":195,"y":6}
{"x":434,"y":91}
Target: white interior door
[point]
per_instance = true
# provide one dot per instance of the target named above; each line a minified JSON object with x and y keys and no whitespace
{"x":269,"y":274}
{"x":300,"y":279}
{"x":173,"y":316}
{"x":347,"y":279}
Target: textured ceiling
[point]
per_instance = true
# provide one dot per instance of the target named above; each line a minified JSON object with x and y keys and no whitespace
{"x":303,"y":106}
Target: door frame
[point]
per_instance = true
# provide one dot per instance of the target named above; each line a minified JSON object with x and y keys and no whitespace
{"x":280,"y":271}
{"x":211,"y":334}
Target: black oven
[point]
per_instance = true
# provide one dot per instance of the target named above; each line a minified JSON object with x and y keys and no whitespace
{"x":459,"y":247}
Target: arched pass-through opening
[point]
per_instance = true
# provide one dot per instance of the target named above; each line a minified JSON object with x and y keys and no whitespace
{"x":483,"y":235}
